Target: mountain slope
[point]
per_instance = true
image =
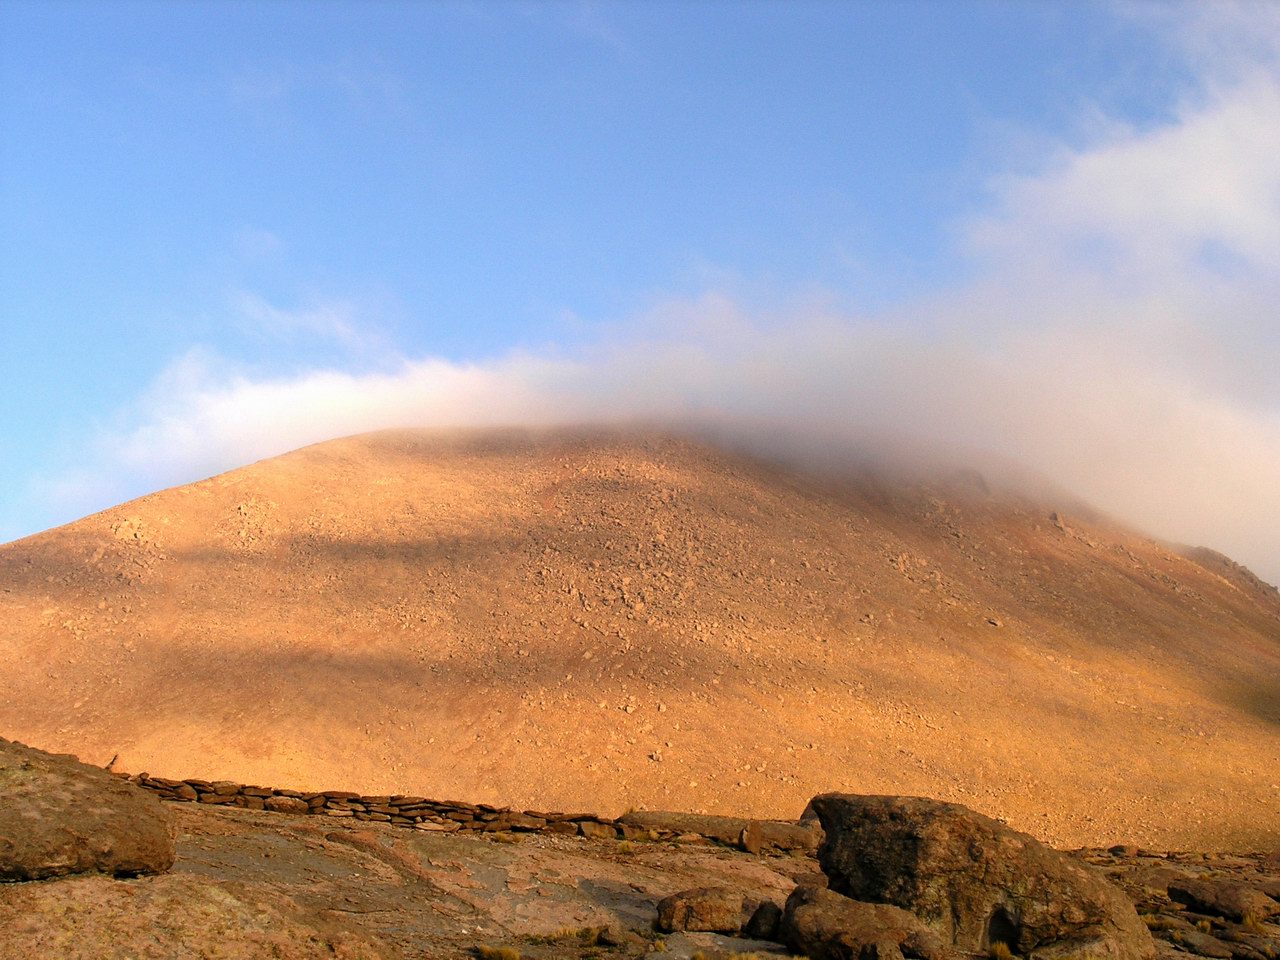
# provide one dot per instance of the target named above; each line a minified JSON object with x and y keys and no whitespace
{"x":611,"y":620}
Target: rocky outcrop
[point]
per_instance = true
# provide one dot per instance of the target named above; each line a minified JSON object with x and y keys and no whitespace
{"x":1200,"y":903}
{"x":827,"y":926}
{"x":973,"y":880}
{"x":1233,"y":901}
{"x":176,"y":915}
{"x":59,"y":817}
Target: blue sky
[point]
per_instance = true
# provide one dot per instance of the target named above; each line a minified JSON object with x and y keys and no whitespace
{"x":229,"y":229}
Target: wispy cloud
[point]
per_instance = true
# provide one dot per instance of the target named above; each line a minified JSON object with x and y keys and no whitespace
{"x":363,"y":82}
{"x":334,"y":321}
{"x":588,"y":19}
{"x":257,"y":243}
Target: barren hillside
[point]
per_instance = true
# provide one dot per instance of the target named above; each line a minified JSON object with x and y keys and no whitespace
{"x":618,"y":620}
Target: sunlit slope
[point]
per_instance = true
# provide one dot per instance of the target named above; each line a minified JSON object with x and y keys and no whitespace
{"x":605,"y":621}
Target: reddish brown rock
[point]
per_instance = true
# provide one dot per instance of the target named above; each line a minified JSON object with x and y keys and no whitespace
{"x":59,"y":817}
{"x":171,"y":916}
{"x":598,"y":831}
{"x":827,"y":926}
{"x":975,"y":881}
{"x":1229,"y":899}
{"x":286,"y":805}
{"x":707,"y":910}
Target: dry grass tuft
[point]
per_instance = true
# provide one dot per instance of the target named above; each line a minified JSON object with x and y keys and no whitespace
{"x":584,"y":936}
{"x":485,"y":952}
{"x":1000,"y":951}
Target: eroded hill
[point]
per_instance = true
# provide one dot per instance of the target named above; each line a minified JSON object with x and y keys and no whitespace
{"x":607,"y":621}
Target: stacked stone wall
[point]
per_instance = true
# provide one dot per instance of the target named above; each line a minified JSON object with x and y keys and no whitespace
{"x":419,"y":813}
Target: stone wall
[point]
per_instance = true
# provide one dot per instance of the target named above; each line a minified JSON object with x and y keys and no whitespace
{"x":419,"y":813}
{"x":448,"y":816}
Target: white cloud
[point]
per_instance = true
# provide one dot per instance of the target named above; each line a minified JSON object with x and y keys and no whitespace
{"x":1121,"y":337}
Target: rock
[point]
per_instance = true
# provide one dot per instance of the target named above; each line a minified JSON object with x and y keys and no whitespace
{"x":973,"y":880}
{"x":764,"y":923}
{"x":59,"y":817}
{"x":1201,"y":943}
{"x":616,"y":935}
{"x":755,"y":836}
{"x":1248,"y":942}
{"x":598,"y":831}
{"x":432,"y":826}
{"x":1224,"y":898}
{"x":706,"y":909}
{"x":522,"y":821}
{"x":827,"y":926}
{"x":790,"y":837}
{"x":726,"y":830}
{"x":1156,"y":879}
{"x":285,"y":805}
{"x":175,"y":915}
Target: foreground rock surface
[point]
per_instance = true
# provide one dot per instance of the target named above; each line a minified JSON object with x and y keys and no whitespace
{"x":415,"y":894}
{"x":974,"y":880}
{"x":60,"y":817}
{"x":174,"y":916}
{"x":371,"y":890}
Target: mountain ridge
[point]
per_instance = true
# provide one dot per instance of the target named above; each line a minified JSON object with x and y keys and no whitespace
{"x":611,"y":619}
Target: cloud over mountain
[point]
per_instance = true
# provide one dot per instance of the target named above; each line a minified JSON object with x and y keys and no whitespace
{"x":1116,"y":331}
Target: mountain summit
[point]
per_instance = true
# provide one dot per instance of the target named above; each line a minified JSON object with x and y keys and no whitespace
{"x":619,"y":619}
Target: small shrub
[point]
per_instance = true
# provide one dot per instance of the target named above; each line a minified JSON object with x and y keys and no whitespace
{"x":1000,"y":951}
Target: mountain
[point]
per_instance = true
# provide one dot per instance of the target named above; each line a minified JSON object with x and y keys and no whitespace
{"x":604,"y":620}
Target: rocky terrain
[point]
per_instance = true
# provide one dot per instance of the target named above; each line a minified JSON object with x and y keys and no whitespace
{"x":617,"y":620}
{"x":892,"y":878}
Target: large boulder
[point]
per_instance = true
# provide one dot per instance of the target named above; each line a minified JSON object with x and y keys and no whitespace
{"x":973,"y":880}
{"x":828,"y":926}
{"x":59,"y":816}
